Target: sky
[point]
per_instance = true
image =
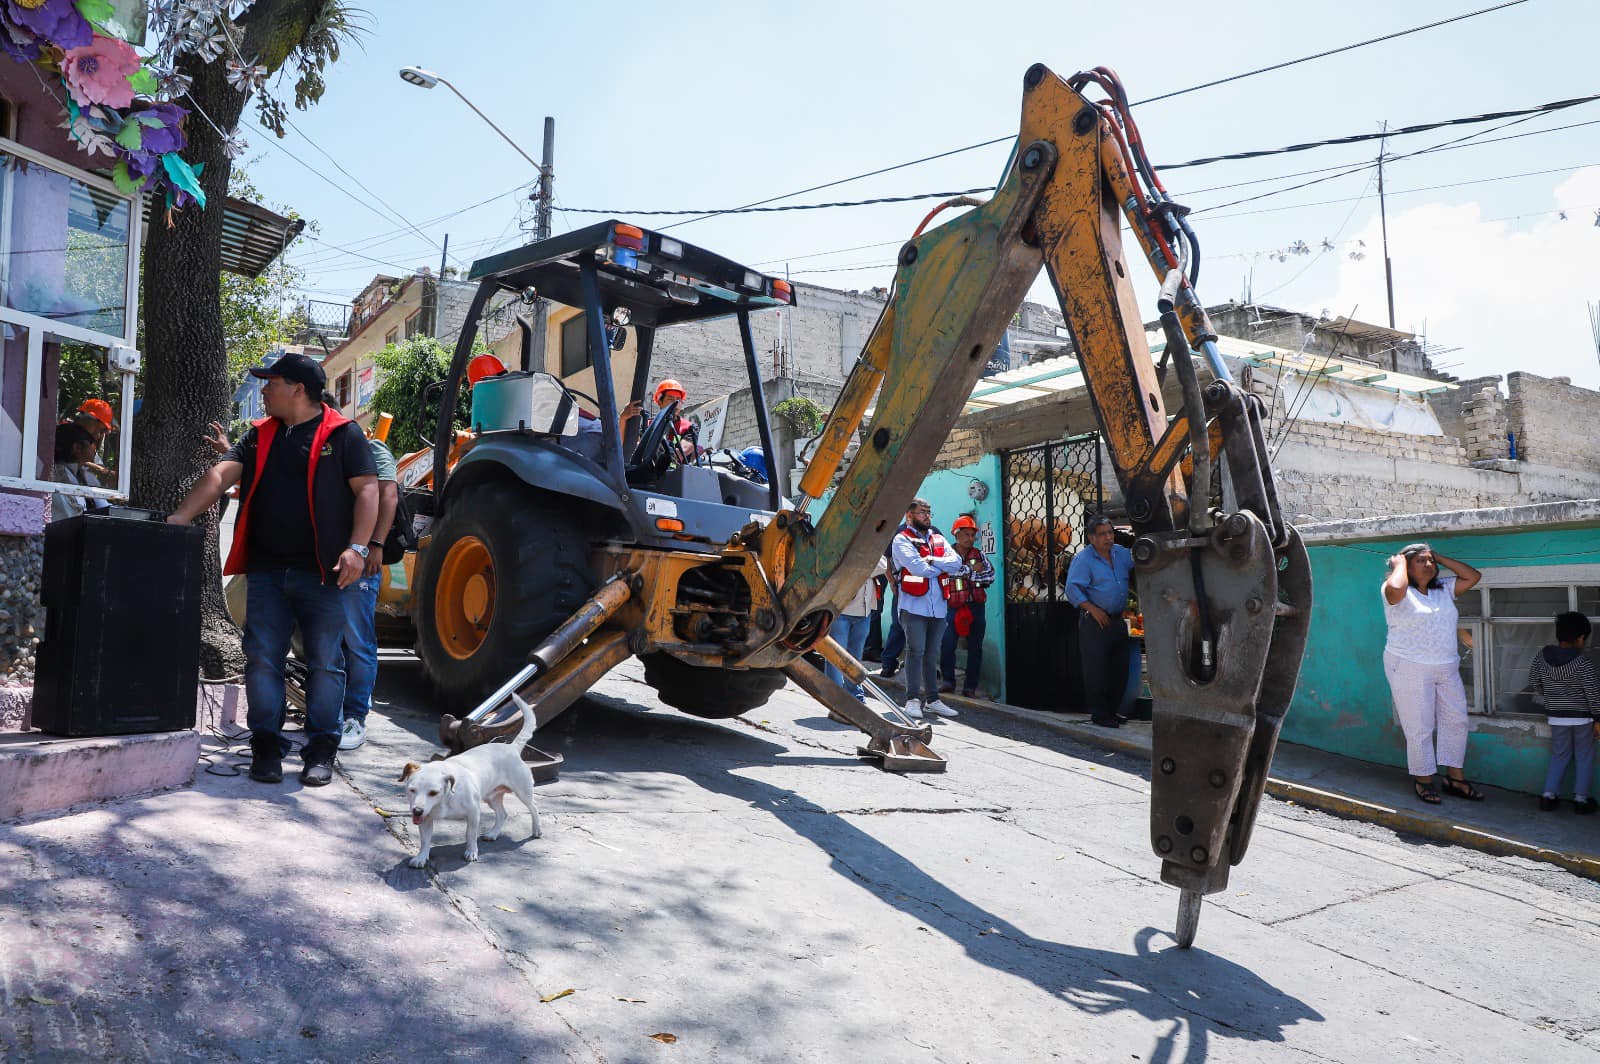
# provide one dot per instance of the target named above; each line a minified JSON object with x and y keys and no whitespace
{"x":716,"y":105}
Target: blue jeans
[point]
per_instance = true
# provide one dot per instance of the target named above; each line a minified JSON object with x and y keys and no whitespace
{"x":850,"y":633}
{"x":974,"y":638}
{"x":360,"y":646}
{"x":278,"y":602}
{"x":1569,"y":743}
{"x":922,"y":636}
{"x":895,"y":644}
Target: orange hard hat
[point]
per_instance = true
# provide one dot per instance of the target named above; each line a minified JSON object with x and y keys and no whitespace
{"x":483,"y":366}
{"x":668,"y":386}
{"x":100,"y":410}
{"x":964,"y":521}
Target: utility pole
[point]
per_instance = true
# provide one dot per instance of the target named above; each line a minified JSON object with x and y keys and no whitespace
{"x":438,"y":291}
{"x":1383,"y":216}
{"x":541,"y":231}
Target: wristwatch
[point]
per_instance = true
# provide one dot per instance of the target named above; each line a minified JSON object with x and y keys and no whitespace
{"x":359,"y":549}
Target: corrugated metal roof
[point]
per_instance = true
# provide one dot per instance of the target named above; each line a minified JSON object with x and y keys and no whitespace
{"x":252,"y":235}
{"x":1064,"y":375}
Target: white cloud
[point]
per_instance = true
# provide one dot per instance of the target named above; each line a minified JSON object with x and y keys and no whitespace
{"x":1512,"y":294}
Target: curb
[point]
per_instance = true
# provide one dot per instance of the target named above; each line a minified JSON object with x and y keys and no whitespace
{"x":1333,"y":802}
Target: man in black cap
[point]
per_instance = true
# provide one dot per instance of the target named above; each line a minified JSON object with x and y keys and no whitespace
{"x":308,"y":504}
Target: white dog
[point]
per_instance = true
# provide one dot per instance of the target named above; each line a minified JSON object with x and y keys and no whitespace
{"x":457,"y":787}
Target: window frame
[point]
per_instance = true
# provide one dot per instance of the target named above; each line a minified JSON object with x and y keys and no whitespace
{"x":576,"y":321}
{"x":42,"y":330}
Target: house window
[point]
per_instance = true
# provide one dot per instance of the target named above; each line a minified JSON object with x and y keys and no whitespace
{"x":392,"y":336}
{"x":574,"y":345}
{"x":1505,"y":621}
{"x":68,"y":250}
{"x":342,"y":389}
{"x":413,"y":324}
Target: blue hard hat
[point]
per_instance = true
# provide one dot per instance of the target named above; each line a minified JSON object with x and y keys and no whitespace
{"x":756,"y":459}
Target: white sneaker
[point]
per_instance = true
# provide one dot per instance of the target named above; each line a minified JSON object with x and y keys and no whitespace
{"x":352,"y":735}
{"x":914,"y":708}
{"x":939,"y":709}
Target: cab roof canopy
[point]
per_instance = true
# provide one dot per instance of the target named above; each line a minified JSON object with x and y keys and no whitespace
{"x":660,"y":279}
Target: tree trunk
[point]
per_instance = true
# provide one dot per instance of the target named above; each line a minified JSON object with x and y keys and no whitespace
{"x":186,"y":383}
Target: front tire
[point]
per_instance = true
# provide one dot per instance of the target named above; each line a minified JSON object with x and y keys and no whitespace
{"x":715,"y":694}
{"x":505,"y":567}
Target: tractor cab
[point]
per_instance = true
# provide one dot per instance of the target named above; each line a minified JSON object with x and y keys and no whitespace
{"x":646,"y":472}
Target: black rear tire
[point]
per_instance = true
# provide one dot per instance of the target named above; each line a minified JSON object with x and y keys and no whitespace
{"x":538,"y":576}
{"x":715,"y":694}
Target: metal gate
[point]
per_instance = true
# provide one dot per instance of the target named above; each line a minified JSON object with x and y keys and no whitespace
{"x":1048,"y":491}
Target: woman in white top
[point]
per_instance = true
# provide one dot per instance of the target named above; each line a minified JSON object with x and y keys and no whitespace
{"x":1423,"y":665}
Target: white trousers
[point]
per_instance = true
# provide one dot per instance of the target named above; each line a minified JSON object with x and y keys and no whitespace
{"x":1432,"y":707}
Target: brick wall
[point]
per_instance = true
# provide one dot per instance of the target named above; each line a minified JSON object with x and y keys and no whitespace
{"x":1550,"y":418}
{"x":1448,"y":406}
{"x":961,"y":448}
{"x":1484,"y":424}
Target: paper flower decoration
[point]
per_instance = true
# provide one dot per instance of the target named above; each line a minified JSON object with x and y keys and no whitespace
{"x":99,"y":71}
{"x":58,"y":22}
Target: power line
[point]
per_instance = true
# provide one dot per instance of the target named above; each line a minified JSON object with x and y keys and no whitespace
{"x":1357,"y":138}
{"x":752,"y":209}
{"x":1458,"y":142}
{"x":1333,"y":51}
{"x":1165,"y":96}
{"x":1408,"y":191}
{"x":1344,"y":168}
{"x":360,"y":184}
{"x":1447,"y":146}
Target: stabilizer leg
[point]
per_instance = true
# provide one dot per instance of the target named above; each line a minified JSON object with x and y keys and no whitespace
{"x":896,"y":744}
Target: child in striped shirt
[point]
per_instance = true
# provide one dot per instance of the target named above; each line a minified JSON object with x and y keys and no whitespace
{"x":1565,"y":678}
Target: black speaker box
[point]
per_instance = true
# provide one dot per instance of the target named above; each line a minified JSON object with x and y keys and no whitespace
{"x":121,"y":647}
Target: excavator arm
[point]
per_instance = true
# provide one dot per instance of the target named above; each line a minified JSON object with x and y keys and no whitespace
{"x":1227,"y":596}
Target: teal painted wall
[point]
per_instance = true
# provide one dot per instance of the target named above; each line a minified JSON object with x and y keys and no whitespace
{"x":947,"y":491}
{"x":1342,"y":703}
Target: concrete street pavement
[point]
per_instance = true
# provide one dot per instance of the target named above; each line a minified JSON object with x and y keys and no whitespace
{"x":750,"y":889}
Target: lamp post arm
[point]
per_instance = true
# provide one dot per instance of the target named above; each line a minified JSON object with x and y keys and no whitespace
{"x":445,"y":82}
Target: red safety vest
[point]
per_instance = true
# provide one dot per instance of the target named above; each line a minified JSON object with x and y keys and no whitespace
{"x":964,"y":590}
{"x":266,"y":432}
{"x":934,"y":545}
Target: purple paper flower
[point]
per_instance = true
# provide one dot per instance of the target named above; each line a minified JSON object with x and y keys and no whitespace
{"x":19,"y":43}
{"x":168,"y":135}
{"x":56,"y":21}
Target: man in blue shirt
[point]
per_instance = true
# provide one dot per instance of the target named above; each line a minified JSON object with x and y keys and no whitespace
{"x":1097,"y":585}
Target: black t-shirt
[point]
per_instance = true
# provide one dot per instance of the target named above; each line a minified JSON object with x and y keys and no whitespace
{"x":280,"y":534}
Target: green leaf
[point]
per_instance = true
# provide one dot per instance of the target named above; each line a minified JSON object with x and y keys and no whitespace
{"x":142,"y":80}
{"x":124,"y":180}
{"x":145,"y":118}
{"x":131,"y":136}
{"x":184,"y":176}
{"x":96,"y":11}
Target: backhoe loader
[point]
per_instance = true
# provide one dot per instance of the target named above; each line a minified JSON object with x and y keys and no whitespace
{"x":556,"y":553}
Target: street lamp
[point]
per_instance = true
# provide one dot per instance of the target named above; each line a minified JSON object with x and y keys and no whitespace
{"x":427,"y":79}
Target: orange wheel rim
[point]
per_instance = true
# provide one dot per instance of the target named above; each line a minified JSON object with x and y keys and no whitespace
{"x":463,"y":601}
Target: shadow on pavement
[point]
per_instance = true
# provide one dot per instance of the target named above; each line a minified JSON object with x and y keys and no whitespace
{"x":1193,"y":997}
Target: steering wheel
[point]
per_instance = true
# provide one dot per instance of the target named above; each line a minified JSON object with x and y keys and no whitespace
{"x":653,"y":453}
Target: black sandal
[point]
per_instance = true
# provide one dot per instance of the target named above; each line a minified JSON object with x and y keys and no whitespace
{"x":1462,"y":789}
{"x":1426,"y":792}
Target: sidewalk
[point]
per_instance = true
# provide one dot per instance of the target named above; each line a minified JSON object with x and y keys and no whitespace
{"x":1506,"y":823}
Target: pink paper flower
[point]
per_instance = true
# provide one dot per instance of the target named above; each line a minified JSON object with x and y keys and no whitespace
{"x":98,"y":72}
